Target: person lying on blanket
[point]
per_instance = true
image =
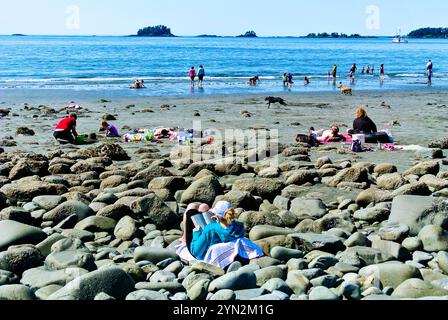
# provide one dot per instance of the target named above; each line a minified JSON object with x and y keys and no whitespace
{"x":332,"y":135}
{"x":221,"y":242}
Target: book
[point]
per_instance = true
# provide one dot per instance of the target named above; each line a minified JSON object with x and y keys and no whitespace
{"x":202,"y":220}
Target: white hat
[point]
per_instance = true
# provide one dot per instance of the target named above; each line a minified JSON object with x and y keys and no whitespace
{"x":221,"y":208}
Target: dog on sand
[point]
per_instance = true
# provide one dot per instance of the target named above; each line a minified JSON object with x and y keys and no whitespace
{"x":273,"y":100}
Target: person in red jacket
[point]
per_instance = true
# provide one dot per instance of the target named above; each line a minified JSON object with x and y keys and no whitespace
{"x":65,"y":131}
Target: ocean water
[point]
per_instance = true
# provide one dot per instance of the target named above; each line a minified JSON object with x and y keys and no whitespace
{"x":113,"y":63}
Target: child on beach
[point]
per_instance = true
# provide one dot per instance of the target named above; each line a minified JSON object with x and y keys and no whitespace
{"x":306,"y":80}
{"x":253,"y":81}
{"x":192,"y":76}
{"x":65,"y":131}
{"x":111,"y":131}
{"x":201,"y":75}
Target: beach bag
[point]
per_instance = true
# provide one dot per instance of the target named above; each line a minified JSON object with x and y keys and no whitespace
{"x":356,"y":146}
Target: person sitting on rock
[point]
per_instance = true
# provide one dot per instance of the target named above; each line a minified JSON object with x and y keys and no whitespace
{"x":363,"y":124}
{"x":65,"y":131}
{"x":110,"y":129}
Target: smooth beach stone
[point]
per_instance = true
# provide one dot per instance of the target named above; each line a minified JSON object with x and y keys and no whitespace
{"x":37,"y":278}
{"x":323,"y":294}
{"x":328,"y":281}
{"x":112,"y":281}
{"x":15,"y":292}
{"x":159,"y":213}
{"x":390,"y":274}
{"x":46,"y":245}
{"x":107,"y":198}
{"x":15,"y":233}
{"x":16,"y":214}
{"x":66,"y":209}
{"x":434,"y":238}
{"x":422,"y":257}
{"x":366,"y":255}
{"x":48,"y":202}
{"x":394,"y":232}
{"x":199,"y":290}
{"x":65,"y":259}
{"x":375,"y":214}
{"x":265,"y":231}
{"x":19,"y":259}
{"x":417,"y":288}
{"x":154,"y":255}
{"x":351,"y":291}
{"x":297,"y":264}
{"x":248,"y":294}
{"x":125,"y":229}
{"x":239,"y":280}
{"x":277,"y":284}
{"x":68,"y":244}
{"x":162,"y":276}
{"x":172,"y":287}
{"x":308,"y":207}
{"x":298,"y":283}
{"x":423,"y":168}
{"x":274,"y":296}
{"x":96,"y":224}
{"x":104,"y":297}
{"x":285,"y":254}
{"x":323,"y":262}
{"x":415,"y":212}
{"x":265,"y":274}
{"x":7,"y":277}
{"x":45,"y":292}
{"x":146,"y":295}
{"x":180,"y":296}
{"x":392,"y":248}
{"x":312,"y":241}
{"x":412,"y":244}
{"x":115,"y":211}
{"x":224,"y":295}
{"x":357,"y":239}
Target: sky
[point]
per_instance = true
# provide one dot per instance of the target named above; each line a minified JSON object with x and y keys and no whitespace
{"x":220,"y":17}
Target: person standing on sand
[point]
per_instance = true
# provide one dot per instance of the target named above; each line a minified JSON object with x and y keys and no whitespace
{"x":65,"y":131}
{"x":192,"y":76}
{"x":201,"y":75}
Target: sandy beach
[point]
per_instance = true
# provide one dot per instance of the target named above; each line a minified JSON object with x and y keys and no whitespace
{"x":103,"y":221}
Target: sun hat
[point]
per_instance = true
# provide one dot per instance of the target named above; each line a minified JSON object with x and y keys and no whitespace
{"x":221,"y":208}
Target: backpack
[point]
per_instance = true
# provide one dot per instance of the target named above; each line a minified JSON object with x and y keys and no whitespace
{"x":356,"y":146}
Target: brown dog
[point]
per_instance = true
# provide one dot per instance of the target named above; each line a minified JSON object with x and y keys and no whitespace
{"x":346,"y":90}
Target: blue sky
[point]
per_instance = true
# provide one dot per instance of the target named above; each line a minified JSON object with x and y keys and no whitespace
{"x":227,"y":17}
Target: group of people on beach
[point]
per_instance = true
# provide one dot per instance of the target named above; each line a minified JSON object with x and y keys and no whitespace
{"x":200,"y":75}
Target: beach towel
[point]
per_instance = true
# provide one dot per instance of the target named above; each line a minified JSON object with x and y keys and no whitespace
{"x":224,"y":254}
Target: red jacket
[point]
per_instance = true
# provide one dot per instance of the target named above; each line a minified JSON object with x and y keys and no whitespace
{"x":66,"y":124}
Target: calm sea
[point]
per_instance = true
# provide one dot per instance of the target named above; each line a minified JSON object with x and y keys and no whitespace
{"x":112,"y":63}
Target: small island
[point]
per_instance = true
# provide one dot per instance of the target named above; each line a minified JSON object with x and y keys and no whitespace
{"x":335,"y":35}
{"x":18,"y":35}
{"x":248,"y":34}
{"x":429,"y":33}
{"x":155,"y":31}
{"x":208,"y":36}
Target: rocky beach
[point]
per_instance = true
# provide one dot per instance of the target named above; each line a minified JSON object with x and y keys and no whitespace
{"x":101,"y":222}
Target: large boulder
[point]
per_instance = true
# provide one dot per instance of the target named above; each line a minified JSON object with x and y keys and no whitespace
{"x":16,"y":292}
{"x":354,"y":174}
{"x":158,"y":212}
{"x":125,"y":229}
{"x":434,"y":238}
{"x":111,"y":280}
{"x":115,"y":211}
{"x":417,"y":288}
{"x":37,"y":278}
{"x":27,"y":190}
{"x":308,"y":207}
{"x":312,"y":241}
{"x":237,"y":280}
{"x":423,"y":168}
{"x":19,"y":259}
{"x":48,"y":202}
{"x":239,"y":199}
{"x":204,"y":190}
{"x":390,"y":181}
{"x":154,"y":255}
{"x":15,"y":233}
{"x":417,"y":212}
{"x":265,"y":188}
{"x":67,"y":209}
{"x":390,"y":274}
{"x":70,"y":258}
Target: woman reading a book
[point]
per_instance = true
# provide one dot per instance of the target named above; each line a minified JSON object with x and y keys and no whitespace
{"x":222,"y":241}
